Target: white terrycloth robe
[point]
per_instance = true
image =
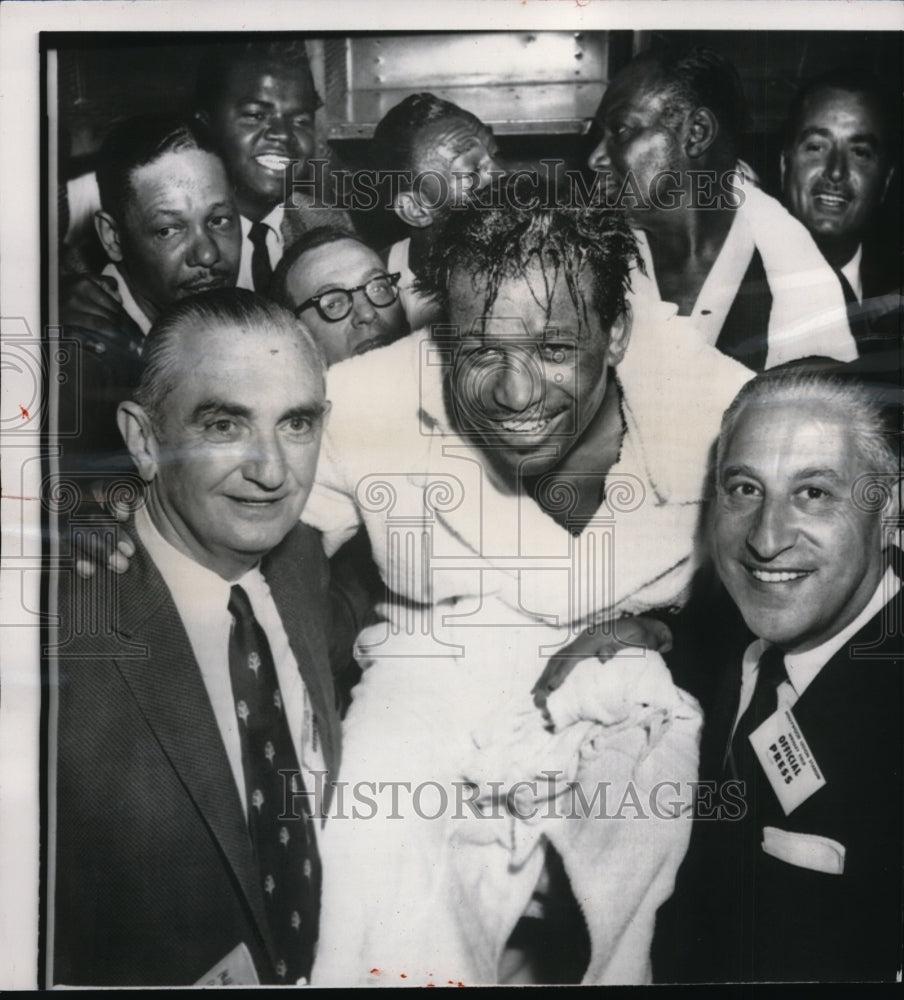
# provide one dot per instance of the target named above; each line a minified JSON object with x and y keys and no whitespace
{"x":500,"y":586}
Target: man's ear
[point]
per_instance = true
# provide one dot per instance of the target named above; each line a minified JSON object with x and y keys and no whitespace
{"x":619,"y":335}
{"x":137,"y":431}
{"x":782,"y":168}
{"x":703,"y":127}
{"x":108,"y":233}
{"x":409,"y":209}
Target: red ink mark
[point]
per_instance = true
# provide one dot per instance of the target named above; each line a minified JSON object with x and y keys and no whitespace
{"x":25,"y":414}
{"x":431,"y":984}
{"x":375,"y":972}
{"x":402,"y":975}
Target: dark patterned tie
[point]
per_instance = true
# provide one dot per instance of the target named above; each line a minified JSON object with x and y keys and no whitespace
{"x":261,"y":271}
{"x":284,"y":842}
{"x":770,"y":674}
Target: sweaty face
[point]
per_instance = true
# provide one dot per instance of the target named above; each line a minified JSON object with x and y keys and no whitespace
{"x":237,"y":448}
{"x":526,"y":384}
{"x":459,"y":149}
{"x":264,"y":120}
{"x":798,"y":555}
{"x":344,"y":264}
{"x":180,"y":233}
{"x":636,"y":148}
{"x":837,"y":170}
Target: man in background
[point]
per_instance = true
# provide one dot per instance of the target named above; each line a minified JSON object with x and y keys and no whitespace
{"x":839,"y":156}
{"x":440,"y":154}
{"x":723,"y":253}
{"x":169,"y":226}
{"x":339,"y":288}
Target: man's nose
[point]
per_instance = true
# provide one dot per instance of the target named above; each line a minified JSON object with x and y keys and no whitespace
{"x":277,"y":127}
{"x":203,"y":250}
{"x":363,"y":311}
{"x":773,"y":530}
{"x":266,"y":462}
{"x":516,"y":384}
{"x":599,"y":158}
{"x":836,"y":164}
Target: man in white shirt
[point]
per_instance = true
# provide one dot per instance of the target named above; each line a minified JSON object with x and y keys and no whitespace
{"x":259,"y":100}
{"x":804,"y":883}
{"x":838,"y":160}
{"x":195,"y":728}
{"x":717,"y":248}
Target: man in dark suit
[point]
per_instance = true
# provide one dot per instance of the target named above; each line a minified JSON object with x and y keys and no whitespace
{"x":196,"y":732}
{"x":838,"y":160}
{"x":800,"y":879}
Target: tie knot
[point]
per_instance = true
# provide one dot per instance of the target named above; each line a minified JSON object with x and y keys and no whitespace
{"x":258,"y":233}
{"x":771,"y":668}
{"x":239,"y":605}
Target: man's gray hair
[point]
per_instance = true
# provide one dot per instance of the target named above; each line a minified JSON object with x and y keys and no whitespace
{"x":218,"y":307}
{"x":875,"y":421}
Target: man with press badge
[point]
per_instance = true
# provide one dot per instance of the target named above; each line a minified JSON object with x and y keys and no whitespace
{"x":804,"y":881}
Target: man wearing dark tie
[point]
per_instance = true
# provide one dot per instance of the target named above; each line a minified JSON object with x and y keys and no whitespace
{"x":259,"y":100}
{"x":803,"y":880}
{"x":838,"y":161}
{"x":195,"y":725}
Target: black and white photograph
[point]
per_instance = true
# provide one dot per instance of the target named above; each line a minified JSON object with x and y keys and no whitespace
{"x":451,"y":494}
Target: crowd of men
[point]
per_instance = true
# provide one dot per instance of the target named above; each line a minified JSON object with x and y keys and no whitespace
{"x":545,"y":497}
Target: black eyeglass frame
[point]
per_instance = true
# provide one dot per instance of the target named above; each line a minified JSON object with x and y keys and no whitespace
{"x":314,"y":300}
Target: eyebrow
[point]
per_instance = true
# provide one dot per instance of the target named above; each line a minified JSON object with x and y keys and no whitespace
{"x":868,"y":137}
{"x":814,"y":472}
{"x":211,"y":407}
{"x":332,"y":286}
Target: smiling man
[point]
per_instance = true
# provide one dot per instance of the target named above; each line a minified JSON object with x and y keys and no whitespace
{"x":718,"y":249}
{"x":491,"y":461}
{"x":805,"y":885}
{"x":838,"y":161}
{"x":195,"y":725}
{"x":338,"y":287}
{"x":260,"y":103}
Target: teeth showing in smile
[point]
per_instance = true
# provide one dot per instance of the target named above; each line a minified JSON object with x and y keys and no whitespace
{"x":778,"y":576}
{"x":524,"y":426}
{"x":831,"y":199}
{"x":273,"y":162}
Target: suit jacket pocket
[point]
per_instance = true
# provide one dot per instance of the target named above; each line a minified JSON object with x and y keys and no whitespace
{"x":805,"y":850}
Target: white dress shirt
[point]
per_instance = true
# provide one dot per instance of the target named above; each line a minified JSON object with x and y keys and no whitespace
{"x":275,"y":245}
{"x":133,"y":310}
{"x":202,"y":598}
{"x":851,"y":271}
{"x":802,"y":668}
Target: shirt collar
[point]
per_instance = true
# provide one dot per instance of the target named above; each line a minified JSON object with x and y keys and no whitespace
{"x":197,"y":591}
{"x":129,"y":304}
{"x":802,"y":668}
{"x":851,"y":271}
{"x":273,"y":220}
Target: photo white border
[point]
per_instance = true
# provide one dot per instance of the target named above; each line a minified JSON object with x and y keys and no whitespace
{"x":20,"y":254}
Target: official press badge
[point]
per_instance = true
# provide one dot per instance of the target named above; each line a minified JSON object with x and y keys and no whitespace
{"x":786,"y":758}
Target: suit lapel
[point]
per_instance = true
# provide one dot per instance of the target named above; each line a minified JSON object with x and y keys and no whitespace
{"x":171,"y":694}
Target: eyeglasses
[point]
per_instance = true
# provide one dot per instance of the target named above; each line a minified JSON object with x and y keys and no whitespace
{"x":336,"y":304}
